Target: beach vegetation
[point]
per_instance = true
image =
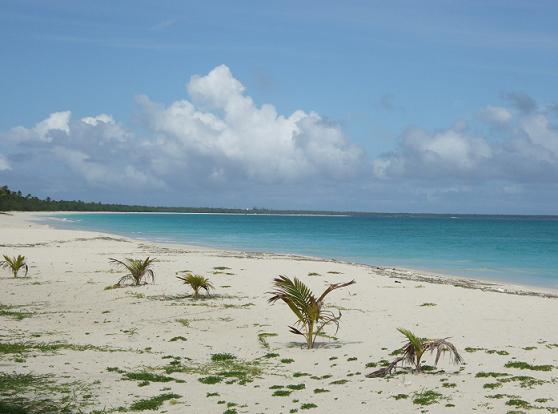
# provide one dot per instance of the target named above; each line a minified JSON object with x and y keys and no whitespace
{"x":211,"y":379}
{"x":308,"y":406}
{"x":400,"y":397}
{"x":15,"y":264}
{"x":153,"y":403}
{"x":281,"y":393}
{"x":177,"y":338}
{"x":525,"y":365}
{"x":312,"y":317}
{"x":196,"y":282}
{"x":320,"y":390}
{"x":413,"y":351}
{"x":287,"y":361}
{"x":427,"y":397}
{"x":10,"y":313}
{"x":140,"y":271}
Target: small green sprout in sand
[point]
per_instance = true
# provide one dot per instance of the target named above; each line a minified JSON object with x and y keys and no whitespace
{"x":196,"y":282}
{"x":140,"y":271}
{"x":15,"y":264}
{"x":312,"y":317}
{"x":413,"y":351}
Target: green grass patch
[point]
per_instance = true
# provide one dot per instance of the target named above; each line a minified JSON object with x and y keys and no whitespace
{"x":8,"y":312}
{"x":308,"y":406}
{"x":491,"y":374}
{"x":495,"y":351}
{"x":281,"y":393}
{"x":525,"y":365}
{"x":222,"y":357}
{"x":52,"y":347}
{"x":428,"y":304}
{"x":271,"y":355}
{"x":147,"y":376}
{"x":400,"y":396}
{"x":427,"y":397}
{"x":339,"y":382}
{"x":320,"y":390}
{"x":221,"y":366}
{"x":296,"y":386}
{"x":210,"y":380}
{"x":153,"y":403}
{"x":287,"y":361}
{"x":518,"y":403}
{"x":473,"y":349}
{"x":177,"y":338}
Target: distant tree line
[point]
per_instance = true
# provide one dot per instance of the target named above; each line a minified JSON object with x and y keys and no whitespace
{"x":16,"y":201}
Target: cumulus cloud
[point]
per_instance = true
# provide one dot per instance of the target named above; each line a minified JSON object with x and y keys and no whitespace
{"x":229,"y":134}
{"x":451,"y":152}
{"x":526,"y":151}
{"x":217,"y":137}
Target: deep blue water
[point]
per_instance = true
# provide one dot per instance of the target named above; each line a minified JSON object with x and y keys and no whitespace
{"x":507,"y":248}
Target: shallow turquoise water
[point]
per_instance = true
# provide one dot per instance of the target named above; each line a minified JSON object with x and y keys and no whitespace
{"x":507,"y":248}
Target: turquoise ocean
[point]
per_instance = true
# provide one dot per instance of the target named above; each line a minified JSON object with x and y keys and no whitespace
{"x":514,"y":249}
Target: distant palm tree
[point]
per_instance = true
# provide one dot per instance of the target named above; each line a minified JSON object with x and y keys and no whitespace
{"x":15,"y":264}
{"x":196,"y":282}
{"x":312,"y":317}
{"x":140,"y":270}
{"x":415,"y":348}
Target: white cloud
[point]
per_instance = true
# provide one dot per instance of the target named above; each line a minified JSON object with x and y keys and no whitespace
{"x":57,"y":121}
{"x":496,"y":115}
{"x":232,"y":135}
{"x":4,"y":163}
{"x":218,"y":137}
{"x":448,"y":152}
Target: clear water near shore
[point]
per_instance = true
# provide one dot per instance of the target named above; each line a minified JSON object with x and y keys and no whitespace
{"x":513,"y":249}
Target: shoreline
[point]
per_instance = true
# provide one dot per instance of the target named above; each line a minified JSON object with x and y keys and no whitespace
{"x":393,"y":272}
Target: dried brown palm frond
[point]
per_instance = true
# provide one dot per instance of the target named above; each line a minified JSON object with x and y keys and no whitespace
{"x":140,"y":270}
{"x":311,"y":315}
{"x":415,"y":348}
{"x":196,"y":282}
{"x":15,"y":264}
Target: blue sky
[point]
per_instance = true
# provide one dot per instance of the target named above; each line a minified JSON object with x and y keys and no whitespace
{"x":435,"y":106}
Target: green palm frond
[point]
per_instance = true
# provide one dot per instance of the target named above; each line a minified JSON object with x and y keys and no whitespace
{"x":197,"y":282}
{"x":311,"y":315}
{"x":15,"y":264}
{"x":139,"y":270}
{"x":415,"y":348}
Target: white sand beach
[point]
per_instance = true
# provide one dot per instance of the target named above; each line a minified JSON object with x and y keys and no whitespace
{"x":112,"y":348}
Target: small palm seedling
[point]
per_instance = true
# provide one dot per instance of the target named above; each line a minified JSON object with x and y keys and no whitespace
{"x":140,"y":270}
{"x":310,"y":311}
{"x":15,"y":264}
{"x":414,"y":349}
{"x":196,"y":282}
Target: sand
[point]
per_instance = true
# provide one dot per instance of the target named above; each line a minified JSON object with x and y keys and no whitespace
{"x":112,"y":337}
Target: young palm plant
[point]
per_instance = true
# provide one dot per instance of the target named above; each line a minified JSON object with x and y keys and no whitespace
{"x":140,"y":270}
{"x":414,"y":349}
{"x":15,"y":264}
{"x":196,"y":282}
{"x":310,"y":311}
